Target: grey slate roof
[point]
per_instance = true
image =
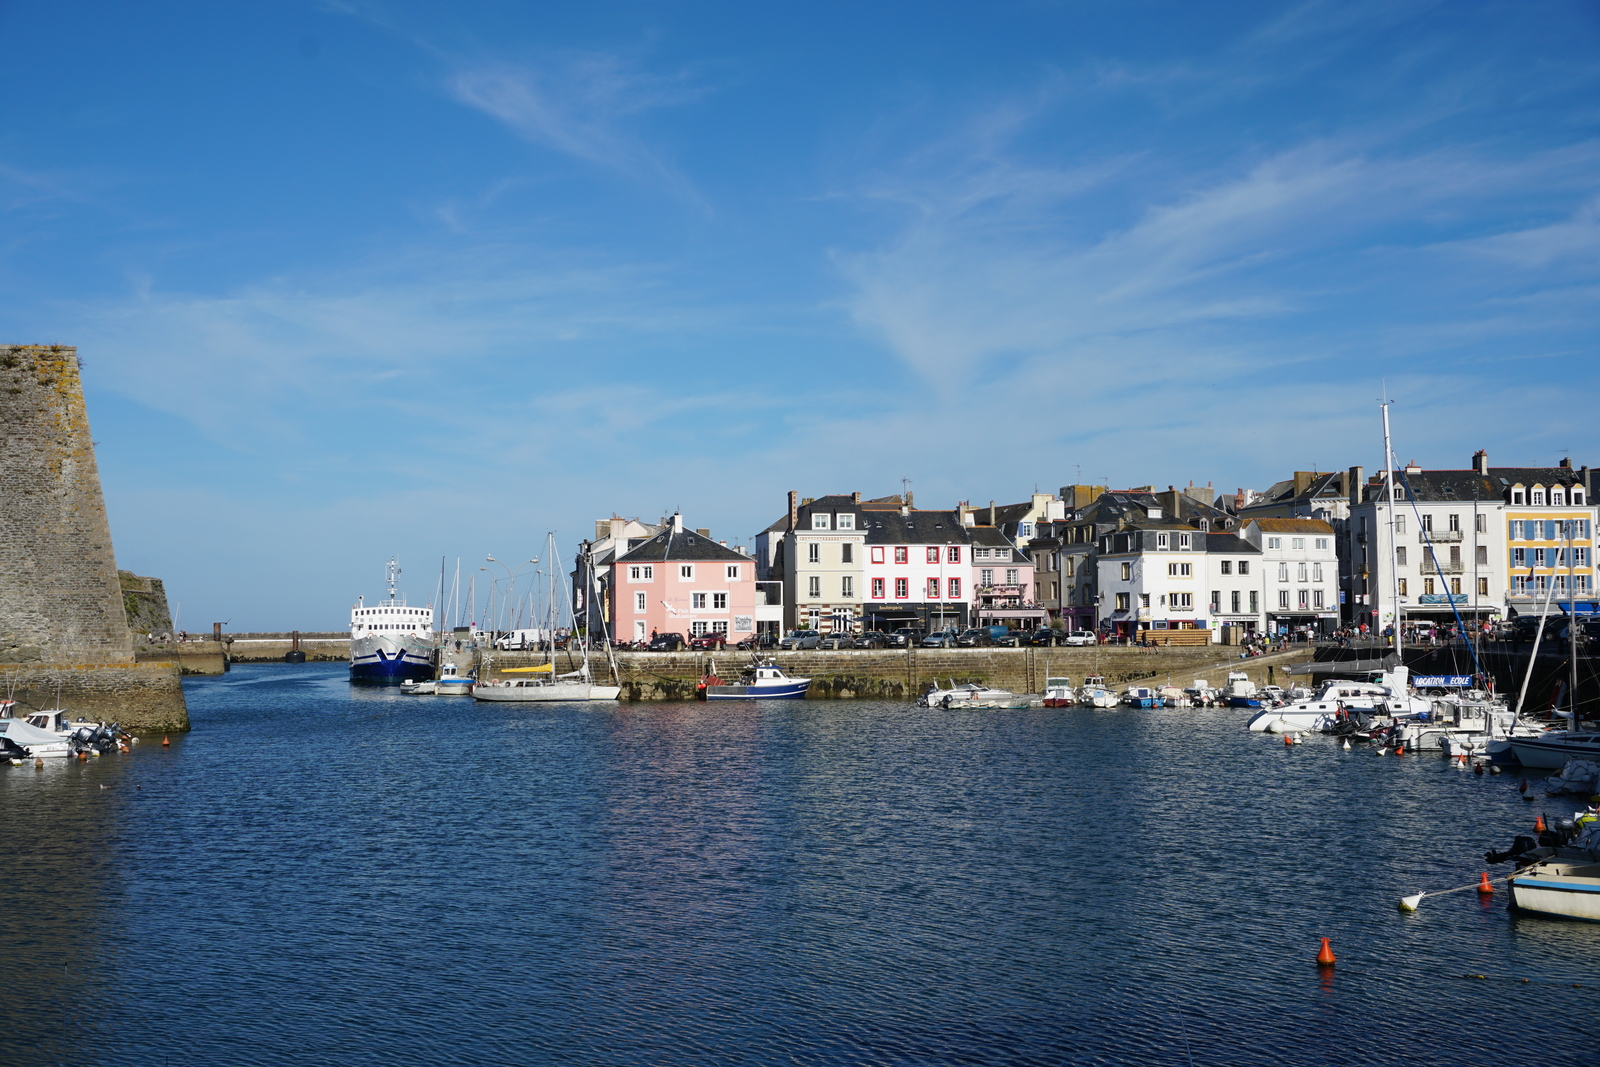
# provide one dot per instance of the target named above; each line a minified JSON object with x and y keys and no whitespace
{"x":1227,"y":544}
{"x":685,"y":546}
{"x":918,"y":528}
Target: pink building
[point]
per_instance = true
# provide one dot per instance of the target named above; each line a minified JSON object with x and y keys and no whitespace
{"x":682,"y":582}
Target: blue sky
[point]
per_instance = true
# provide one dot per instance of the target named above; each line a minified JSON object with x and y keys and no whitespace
{"x":358,"y":279}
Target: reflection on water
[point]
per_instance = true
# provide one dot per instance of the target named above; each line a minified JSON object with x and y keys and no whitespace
{"x":320,"y":874}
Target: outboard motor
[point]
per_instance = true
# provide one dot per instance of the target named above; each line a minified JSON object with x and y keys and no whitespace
{"x":1520,"y":846}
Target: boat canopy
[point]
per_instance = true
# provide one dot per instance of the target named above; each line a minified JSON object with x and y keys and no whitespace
{"x":543,"y":668}
{"x":23,"y":734}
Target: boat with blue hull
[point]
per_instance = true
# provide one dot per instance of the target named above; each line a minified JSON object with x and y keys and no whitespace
{"x":765,"y":681}
{"x":390,"y":642}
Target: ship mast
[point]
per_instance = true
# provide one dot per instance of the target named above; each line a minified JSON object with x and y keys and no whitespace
{"x":1394,"y":543}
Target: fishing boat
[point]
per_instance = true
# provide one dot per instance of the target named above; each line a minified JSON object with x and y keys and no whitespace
{"x":1240,"y":692}
{"x":451,"y":682}
{"x":1058,"y":693}
{"x":390,"y":641}
{"x":759,"y":681}
{"x":1139,"y":696}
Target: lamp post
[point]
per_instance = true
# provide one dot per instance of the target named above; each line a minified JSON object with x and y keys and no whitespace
{"x":511,"y":575}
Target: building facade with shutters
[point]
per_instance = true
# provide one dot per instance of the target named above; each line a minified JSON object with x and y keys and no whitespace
{"x":680,"y":581}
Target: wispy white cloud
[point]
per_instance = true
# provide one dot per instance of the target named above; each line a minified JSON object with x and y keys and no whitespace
{"x":579,"y":104}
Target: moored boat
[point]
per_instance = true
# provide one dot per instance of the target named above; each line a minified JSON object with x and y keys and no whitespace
{"x":451,"y":682}
{"x":761,"y":681}
{"x":390,"y":641}
{"x":1058,"y":693}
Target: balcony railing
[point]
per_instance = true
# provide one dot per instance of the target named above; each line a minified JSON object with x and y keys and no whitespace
{"x":1437,"y":536}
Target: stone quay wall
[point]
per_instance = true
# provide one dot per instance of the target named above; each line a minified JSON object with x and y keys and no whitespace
{"x":143,"y":698}
{"x":323,"y":647}
{"x":899,"y":674}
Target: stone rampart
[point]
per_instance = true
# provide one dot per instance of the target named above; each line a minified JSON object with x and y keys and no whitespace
{"x":901,"y":675}
{"x":142,"y":697}
{"x":63,"y":622}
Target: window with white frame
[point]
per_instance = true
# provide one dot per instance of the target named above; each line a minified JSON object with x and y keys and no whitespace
{"x":720,"y":627}
{"x":697,"y":601}
{"x":1184,"y":541}
{"x":1182,"y":601}
{"x":1304,"y":599}
{"x":1316,"y":598}
{"x":1455,"y":522}
{"x":1298,"y":544}
{"x":952,"y":554}
{"x":813,"y":553}
{"x":814,"y":586}
{"x":686,"y":571}
{"x":901,"y":553}
{"x":1274,"y":542}
{"x":1244,"y":566}
{"x":877,"y":588}
{"x":719,"y":601}
{"x":846,"y":520}
{"x":1301,"y":572}
{"x":638,"y":601}
{"x":1161,"y":541}
{"x":952,"y":588}
{"x":641,"y":574}
{"x":847,"y":587}
{"x":1180,"y":570}
{"x":1538,"y":497}
{"x":1013,"y":577}
{"x":1283,"y":572}
{"x":1481,"y":522}
{"x":1144,"y":600}
{"x":933,"y":589}
{"x":733,"y":572}
{"x":1226,"y":565}
{"x":1516,"y":496}
{"x":1322,"y":544}
{"x":1283,"y":599}
{"x":697,"y":629}
{"x":931,"y":554}
{"x":1316,"y":572}
{"x":986,"y":576}
{"x":819,"y":520}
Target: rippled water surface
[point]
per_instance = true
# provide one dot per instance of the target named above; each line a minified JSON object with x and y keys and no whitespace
{"x":324,"y":875}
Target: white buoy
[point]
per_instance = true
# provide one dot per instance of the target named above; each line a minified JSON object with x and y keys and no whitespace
{"x":1347,"y":744}
{"x":1410,"y":903}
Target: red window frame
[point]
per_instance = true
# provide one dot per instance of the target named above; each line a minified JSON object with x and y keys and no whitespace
{"x":952,"y":588}
{"x":933,"y":587}
{"x":877,"y":588}
{"x":933,"y":554}
{"x":900,"y":553}
{"x":953,"y":555}
{"x":902,"y":588}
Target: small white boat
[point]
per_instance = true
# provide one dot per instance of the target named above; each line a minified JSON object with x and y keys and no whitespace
{"x":37,"y":742}
{"x":1140,"y":696}
{"x":557,"y":689}
{"x":417,"y":688}
{"x":1387,"y":693}
{"x":961,"y":695}
{"x":1551,"y":750}
{"x":1240,"y":692}
{"x":1095,"y":694}
{"x":1560,"y":888}
{"x":451,"y":682}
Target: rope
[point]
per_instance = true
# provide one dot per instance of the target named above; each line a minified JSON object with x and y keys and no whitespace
{"x":1474,"y":885}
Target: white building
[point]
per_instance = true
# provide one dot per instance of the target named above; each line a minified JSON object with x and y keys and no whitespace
{"x":1234,"y":584}
{"x":1153,"y":576}
{"x":1299,"y":573}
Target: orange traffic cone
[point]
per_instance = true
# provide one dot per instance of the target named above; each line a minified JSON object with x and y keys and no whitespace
{"x":1483,"y":884}
{"x":1325,"y":956}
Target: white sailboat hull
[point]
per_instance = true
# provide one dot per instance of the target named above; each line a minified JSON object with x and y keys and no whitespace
{"x":546,"y":692}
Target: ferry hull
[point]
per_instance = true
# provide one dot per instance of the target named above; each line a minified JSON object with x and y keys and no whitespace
{"x":387,"y":664}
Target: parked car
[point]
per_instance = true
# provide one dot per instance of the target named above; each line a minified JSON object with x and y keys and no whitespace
{"x":711,"y":640}
{"x":761,"y":640}
{"x":800,"y":639}
{"x":837,"y":641}
{"x":671,"y":642}
{"x":910,"y":635}
{"x":941,"y":639}
{"x":879,"y":639}
{"x":976,"y":638}
{"x":1079,"y":638}
{"x":1043,"y":637}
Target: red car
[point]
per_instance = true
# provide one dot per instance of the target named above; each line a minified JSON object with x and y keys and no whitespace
{"x":711,"y":640}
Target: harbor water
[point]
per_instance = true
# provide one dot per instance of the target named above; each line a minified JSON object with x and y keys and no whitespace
{"x":325,"y":875}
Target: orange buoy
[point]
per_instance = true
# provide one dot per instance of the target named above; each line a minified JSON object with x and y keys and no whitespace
{"x":166,"y":742}
{"x":1325,"y":956}
{"x":1288,"y":739}
{"x":1399,"y":750}
{"x":1484,"y":887}
{"x":1538,"y":825}
{"x":1523,"y":788}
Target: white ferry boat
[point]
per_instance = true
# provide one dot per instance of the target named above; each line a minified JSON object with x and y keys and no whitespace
{"x":390,"y":642}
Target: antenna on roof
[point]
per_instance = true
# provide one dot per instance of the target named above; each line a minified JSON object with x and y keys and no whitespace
{"x":905,"y":489}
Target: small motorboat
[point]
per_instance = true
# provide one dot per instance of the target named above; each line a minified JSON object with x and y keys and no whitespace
{"x":417,"y":688}
{"x":1058,"y":693}
{"x":1140,"y":696}
{"x":962,"y":695}
{"x":451,"y":682}
{"x":1094,"y":693}
{"x":1240,"y":692}
{"x":760,"y":681}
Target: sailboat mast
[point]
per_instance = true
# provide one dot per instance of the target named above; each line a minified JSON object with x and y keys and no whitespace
{"x":1394,"y":543}
{"x":1572,"y":620}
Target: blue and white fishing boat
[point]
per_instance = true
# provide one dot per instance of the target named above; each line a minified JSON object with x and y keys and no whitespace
{"x":452,"y":682}
{"x":389,"y":641}
{"x":764,"y":681}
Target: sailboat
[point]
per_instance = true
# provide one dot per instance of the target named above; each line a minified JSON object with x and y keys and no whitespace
{"x":541,"y":683}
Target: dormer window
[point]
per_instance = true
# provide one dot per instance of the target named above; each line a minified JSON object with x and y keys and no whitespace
{"x":819,"y":520}
{"x":1577,"y":497}
{"x":1516,"y":496}
{"x":1558,"y":497}
{"x":1205,"y":525}
{"x":846,"y":521}
{"x":1538,"y":496}
{"x":1161,"y":541}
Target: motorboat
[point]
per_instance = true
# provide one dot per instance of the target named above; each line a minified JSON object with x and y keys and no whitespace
{"x":417,"y":687}
{"x":1461,"y":726}
{"x":451,"y":682}
{"x":38,"y":742}
{"x":760,"y":681}
{"x":1386,"y":694}
{"x":1095,"y":694}
{"x":1200,"y":694}
{"x":1058,"y":693}
{"x":1140,"y":696}
{"x":1240,"y":692}
{"x":1172,"y":697}
{"x":959,"y":695}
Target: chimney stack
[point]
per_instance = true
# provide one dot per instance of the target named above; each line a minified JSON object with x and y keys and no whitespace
{"x":1566,"y":463}
{"x":794,"y":507}
{"x":991,"y":513}
{"x":677,"y":522}
{"x":1480,"y":461}
{"x":855,"y":497}
{"x":1353,"y":481}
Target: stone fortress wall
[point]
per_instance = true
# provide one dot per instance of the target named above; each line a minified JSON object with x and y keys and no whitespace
{"x":63,"y":622}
